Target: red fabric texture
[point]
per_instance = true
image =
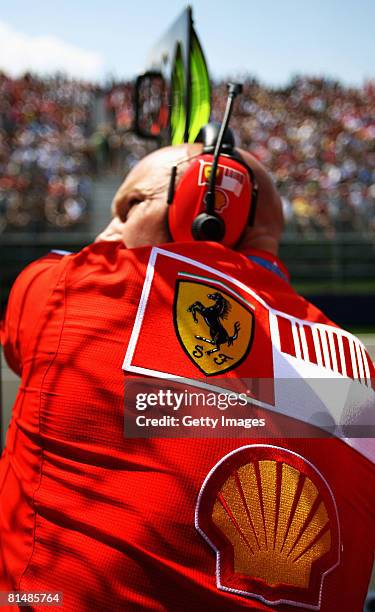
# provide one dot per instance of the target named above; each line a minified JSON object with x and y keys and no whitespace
{"x":110,"y":521}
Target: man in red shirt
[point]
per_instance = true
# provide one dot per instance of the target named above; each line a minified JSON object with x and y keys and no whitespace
{"x":120,"y":523}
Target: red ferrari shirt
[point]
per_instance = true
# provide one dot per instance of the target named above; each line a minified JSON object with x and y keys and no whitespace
{"x":118,"y":523}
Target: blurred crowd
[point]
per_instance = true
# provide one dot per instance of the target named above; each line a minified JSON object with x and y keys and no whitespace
{"x":45,"y":175}
{"x":315,"y":136}
{"x":318,"y":140}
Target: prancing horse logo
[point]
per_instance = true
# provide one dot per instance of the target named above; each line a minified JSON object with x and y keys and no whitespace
{"x":212,"y":316}
{"x":213,"y":346}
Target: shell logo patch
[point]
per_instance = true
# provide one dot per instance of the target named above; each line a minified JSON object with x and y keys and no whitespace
{"x":221,"y":200}
{"x":214,"y":327}
{"x":272,"y":520}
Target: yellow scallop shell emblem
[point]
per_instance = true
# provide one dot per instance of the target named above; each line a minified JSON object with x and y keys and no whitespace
{"x":274,"y":548}
{"x":273,"y":522}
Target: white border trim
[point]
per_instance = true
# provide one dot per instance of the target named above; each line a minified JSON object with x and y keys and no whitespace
{"x":246,"y":593}
{"x":141,"y":310}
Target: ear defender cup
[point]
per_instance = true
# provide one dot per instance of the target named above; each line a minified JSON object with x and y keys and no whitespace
{"x":208,"y":227}
{"x":187,"y":216}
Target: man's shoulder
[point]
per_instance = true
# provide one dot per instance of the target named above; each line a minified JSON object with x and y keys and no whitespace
{"x":296,"y":326}
{"x":35,"y":272}
{"x":265,"y":274}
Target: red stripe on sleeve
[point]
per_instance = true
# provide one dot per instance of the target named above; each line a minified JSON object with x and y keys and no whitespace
{"x":319,"y":334}
{"x":348,"y":359}
{"x":338,"y":357}
{"x":310,"y":344}
{"x":286,"y":337}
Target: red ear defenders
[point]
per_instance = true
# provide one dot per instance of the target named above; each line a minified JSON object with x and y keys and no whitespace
{"x":190,"y":217}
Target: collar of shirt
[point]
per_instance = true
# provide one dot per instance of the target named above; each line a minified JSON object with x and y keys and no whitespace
{"x":269,"y":262}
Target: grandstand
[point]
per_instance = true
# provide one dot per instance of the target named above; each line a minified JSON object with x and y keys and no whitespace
{"x":65,"y":146}
{"x":315,"y":136}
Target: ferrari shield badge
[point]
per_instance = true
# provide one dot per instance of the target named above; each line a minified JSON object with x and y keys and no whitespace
{"x":214,"y":327}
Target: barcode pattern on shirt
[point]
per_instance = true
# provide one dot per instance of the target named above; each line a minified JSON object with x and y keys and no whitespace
{"x":327,"y":347}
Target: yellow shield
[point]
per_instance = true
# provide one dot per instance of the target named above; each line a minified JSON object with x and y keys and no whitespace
{"x":214,"y":327}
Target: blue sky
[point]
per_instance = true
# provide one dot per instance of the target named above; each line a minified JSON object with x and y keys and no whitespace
{"x":269,"y":38}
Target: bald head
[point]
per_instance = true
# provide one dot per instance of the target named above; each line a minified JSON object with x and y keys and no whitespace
{"x":140,"y":205}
